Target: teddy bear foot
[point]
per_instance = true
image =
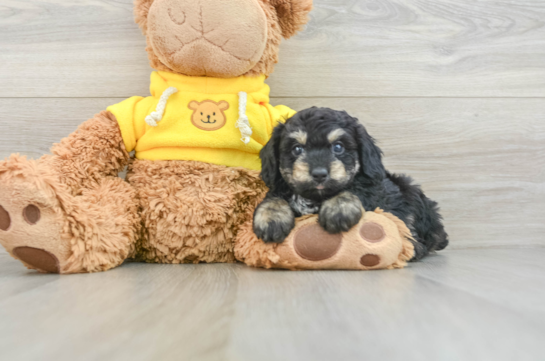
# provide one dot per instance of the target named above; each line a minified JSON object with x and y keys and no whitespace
{"x":31,"y":218}
{"x":378,"y":241}
{"x":48,"y":229}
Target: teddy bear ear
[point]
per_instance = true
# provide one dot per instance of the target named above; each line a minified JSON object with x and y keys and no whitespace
{"x":194,"y":105}
{"x":292,"y":15}
{"x":223,"y":105}
{"x":141,"y":11}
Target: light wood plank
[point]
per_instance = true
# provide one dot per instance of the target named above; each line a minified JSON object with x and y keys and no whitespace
{"x":390,"y":315}
{"x":481,"y":159}
{"x":71,"y":49}
{"x":11,"y":280}
{"x":38,"y":123}
{"x":91,"y":48}
{"x":452,"y":306}
{"x":136,"y":312}
{"x":513,"y":276}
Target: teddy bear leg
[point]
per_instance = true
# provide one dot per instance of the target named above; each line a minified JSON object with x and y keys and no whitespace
{"x":50,"y":230}
{"x":66,"y":212}
{"x":107,"y":229}
{"x":380,"y":240}
{"x":192,"y":211}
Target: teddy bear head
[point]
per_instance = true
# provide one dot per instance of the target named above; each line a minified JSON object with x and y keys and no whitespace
{"x":218,"y":38}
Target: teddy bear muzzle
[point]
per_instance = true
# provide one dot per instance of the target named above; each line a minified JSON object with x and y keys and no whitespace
{"x":207,"y":38}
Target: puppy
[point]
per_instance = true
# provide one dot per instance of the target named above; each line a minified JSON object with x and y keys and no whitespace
{"x":324,"y":162}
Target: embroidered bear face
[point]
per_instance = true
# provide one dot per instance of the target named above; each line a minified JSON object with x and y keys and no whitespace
{"x":208,"y":115}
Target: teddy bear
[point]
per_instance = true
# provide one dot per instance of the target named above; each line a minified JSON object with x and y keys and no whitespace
{"x":194,"y":177}
{"x":191,"y":151}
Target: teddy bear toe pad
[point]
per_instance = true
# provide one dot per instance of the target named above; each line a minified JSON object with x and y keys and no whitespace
{"x":314,"y":244}
{"x":38,"y":258}
{"x":370,"y":260}
{"x":372,"y":232}
{"x":5,"y":219}
{"x":32,"y":214}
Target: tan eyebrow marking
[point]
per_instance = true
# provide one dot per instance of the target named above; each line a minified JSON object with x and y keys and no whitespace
{"x":301,"y":172}
{"x":338,"y":171}
{"x":335,"y":134}
{"x":299,"y":136}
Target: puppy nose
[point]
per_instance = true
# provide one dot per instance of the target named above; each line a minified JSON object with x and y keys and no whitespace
{"x":319,"y":174}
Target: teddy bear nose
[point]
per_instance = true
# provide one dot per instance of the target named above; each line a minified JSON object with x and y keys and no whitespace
{"x":208,"y":117}
{"x":319,"y":174}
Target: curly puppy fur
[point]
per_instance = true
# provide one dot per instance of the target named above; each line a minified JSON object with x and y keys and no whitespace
{"x":324,"y":161}
{"x":273,"y":220}
{"x":340,"y":213}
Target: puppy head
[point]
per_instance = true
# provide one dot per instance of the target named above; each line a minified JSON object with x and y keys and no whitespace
{"x":319,"y":152}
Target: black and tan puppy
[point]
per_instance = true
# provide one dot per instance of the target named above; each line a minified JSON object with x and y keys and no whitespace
{"x":323,"y":161}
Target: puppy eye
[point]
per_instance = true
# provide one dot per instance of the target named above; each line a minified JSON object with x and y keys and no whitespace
{"x":297,"y":150}
{"x":337,"y":148}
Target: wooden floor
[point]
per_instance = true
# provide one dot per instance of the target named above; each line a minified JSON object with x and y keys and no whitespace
{"x":481,"y":305}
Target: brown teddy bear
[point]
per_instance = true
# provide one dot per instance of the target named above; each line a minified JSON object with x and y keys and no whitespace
{"x":193,"y":182}
{"x":195,"y":176}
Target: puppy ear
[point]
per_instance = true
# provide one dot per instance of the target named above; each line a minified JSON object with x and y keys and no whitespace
{"x":141,"y":11}
{"x":269,"y":155}
{"x":292,"y":15}
{"x":370,"y":155}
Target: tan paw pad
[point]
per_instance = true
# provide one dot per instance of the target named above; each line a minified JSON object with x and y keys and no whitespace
{"x":38,"y":258}
{"x":370,"y":260}
{"x":32,"y":214}
{"x":372,"y":232}
{"x":314,"y":244}
{"x":5,"y":219}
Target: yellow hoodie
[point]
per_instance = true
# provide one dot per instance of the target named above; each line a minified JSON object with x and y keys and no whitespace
{"x":212,"y":120}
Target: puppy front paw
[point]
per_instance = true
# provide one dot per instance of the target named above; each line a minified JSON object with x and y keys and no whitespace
{"x":340,"y":213}
{"x":273,"y":220}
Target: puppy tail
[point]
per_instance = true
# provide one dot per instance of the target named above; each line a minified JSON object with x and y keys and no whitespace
{"x":437,"y":235}
{"x":442,"y":240}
